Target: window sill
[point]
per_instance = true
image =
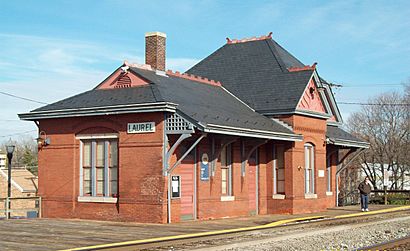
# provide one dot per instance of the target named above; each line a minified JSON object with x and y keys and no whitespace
{"x":278,"y":196}
{"x":227,"y":198}
{"x":329,"y":193}
{"x":310,"y":196}
{"x":97,"y":199}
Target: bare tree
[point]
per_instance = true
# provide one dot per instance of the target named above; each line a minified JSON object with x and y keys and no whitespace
{"x":25,"y":153}
{"x":384,"y":123}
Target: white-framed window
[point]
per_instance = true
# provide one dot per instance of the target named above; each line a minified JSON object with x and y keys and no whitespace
{"x":278,"y":169}
{"x":226,"y":171}
{"x":309,"y":169}
{"x":99,"y":167}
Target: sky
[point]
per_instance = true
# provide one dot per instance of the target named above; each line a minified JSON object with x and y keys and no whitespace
{"x":50,"y":50}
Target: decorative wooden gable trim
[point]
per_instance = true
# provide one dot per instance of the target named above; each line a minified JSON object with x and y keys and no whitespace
{"x":336,"y":117}
{"x":122,"y":79}
{"x":311,"y":99}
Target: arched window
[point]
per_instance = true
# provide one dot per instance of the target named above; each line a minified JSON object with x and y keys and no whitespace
{"x":309,"y":169}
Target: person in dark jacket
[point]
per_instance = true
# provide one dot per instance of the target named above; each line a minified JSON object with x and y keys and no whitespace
{"x":365,"y":189}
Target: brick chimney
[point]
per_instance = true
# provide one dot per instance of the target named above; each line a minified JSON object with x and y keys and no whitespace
{"x":155,"y":50}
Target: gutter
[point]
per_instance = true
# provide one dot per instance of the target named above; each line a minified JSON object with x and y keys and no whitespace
{"x":227,"y":130}
{"x":104,"y":110}
{"x":349,"y":143}
{"x":297,"y":112}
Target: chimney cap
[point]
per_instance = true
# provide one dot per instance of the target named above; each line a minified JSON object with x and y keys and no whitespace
{"x":155,"y":33}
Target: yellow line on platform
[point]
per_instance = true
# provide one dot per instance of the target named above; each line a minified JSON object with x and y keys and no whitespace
{"x":194,"y":235}
{"x":387,"y":210}
{"x":228,"y":231}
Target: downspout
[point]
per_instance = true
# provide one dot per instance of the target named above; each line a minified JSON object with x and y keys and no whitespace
{"x":257,"y":181}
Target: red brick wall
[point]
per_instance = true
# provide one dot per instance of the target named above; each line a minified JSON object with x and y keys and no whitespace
{"x":143,"y":188}
{"x":314,"y":132}
{"x":141,"y":184}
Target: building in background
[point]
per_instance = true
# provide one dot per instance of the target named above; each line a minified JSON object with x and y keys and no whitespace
{"x":3,"y":160}
{"x":23,"y":184}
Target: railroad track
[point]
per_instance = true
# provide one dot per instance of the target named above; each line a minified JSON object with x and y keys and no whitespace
{"x":394,"y":245}
{"x":243,"y":234}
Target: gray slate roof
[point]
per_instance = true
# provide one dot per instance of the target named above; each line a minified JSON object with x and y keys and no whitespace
{"x":340,"y":137}
{"x":256,"y":72}
{"x":209,"y":104}
{"x":204,"y":103}
{"x":105,"y":97}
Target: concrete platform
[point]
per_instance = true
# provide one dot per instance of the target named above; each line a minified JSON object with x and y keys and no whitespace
{"x":56,"y":234}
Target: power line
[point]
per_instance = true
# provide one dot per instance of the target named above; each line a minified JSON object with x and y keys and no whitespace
{"x":19,"y":133}
{"x":8,"y":120}
{"x":375,"y":104}
{"x":337,"y":85}
{"x":367,"y":86}
{"x":26,"y":99}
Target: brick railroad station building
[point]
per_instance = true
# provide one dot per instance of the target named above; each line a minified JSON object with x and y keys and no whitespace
{"x":248,"y":130}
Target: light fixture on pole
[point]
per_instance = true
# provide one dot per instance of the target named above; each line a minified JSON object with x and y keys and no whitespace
{"x":10,"y":149}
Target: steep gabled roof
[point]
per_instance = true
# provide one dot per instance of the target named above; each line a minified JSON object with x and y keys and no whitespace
{"x":257,"y":72}
{"x":208,"y":105}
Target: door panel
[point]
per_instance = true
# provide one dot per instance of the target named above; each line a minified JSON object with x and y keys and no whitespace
{"x":252,"y":186}
{"x":186,"y":170}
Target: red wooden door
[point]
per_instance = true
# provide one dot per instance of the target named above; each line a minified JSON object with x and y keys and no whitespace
{"x":252,"y":186}
{"x":186,"y":170}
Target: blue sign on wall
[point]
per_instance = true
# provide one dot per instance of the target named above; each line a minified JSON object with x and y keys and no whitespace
{"x":204,"y":167}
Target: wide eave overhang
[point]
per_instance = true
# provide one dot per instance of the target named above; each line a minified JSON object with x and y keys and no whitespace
{"x":348,"y":143}
{"x":98,"y":111}
{"x":156,"y":107}
{"x":245,"y":132}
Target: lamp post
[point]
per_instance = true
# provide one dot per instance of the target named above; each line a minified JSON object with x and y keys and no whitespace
{"x":10,"y":150}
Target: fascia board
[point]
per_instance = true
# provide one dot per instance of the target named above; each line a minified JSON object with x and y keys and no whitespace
{"x":349,"y":143}
{"x":322,"y":95}
{"x":312,"y":114}
{"x":333,"y":103}
{"x":107,"y":107}
{"x":109,"y":110}
{"x":212,"y":128}
{"x":334,"y":123}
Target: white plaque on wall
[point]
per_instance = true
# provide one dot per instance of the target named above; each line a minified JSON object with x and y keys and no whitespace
{"x":321,"y":173}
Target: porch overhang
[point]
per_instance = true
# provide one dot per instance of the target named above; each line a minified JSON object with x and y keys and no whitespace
{"x":98,"y":111}
{"x":348,"y":143}
{"x":339,"y":137}
{"x":245,"y":132}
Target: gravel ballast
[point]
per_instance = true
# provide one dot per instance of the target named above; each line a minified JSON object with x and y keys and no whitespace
{"x":335,"y":238}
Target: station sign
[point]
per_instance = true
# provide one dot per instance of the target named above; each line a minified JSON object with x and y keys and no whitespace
{"x":144,"y":127}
